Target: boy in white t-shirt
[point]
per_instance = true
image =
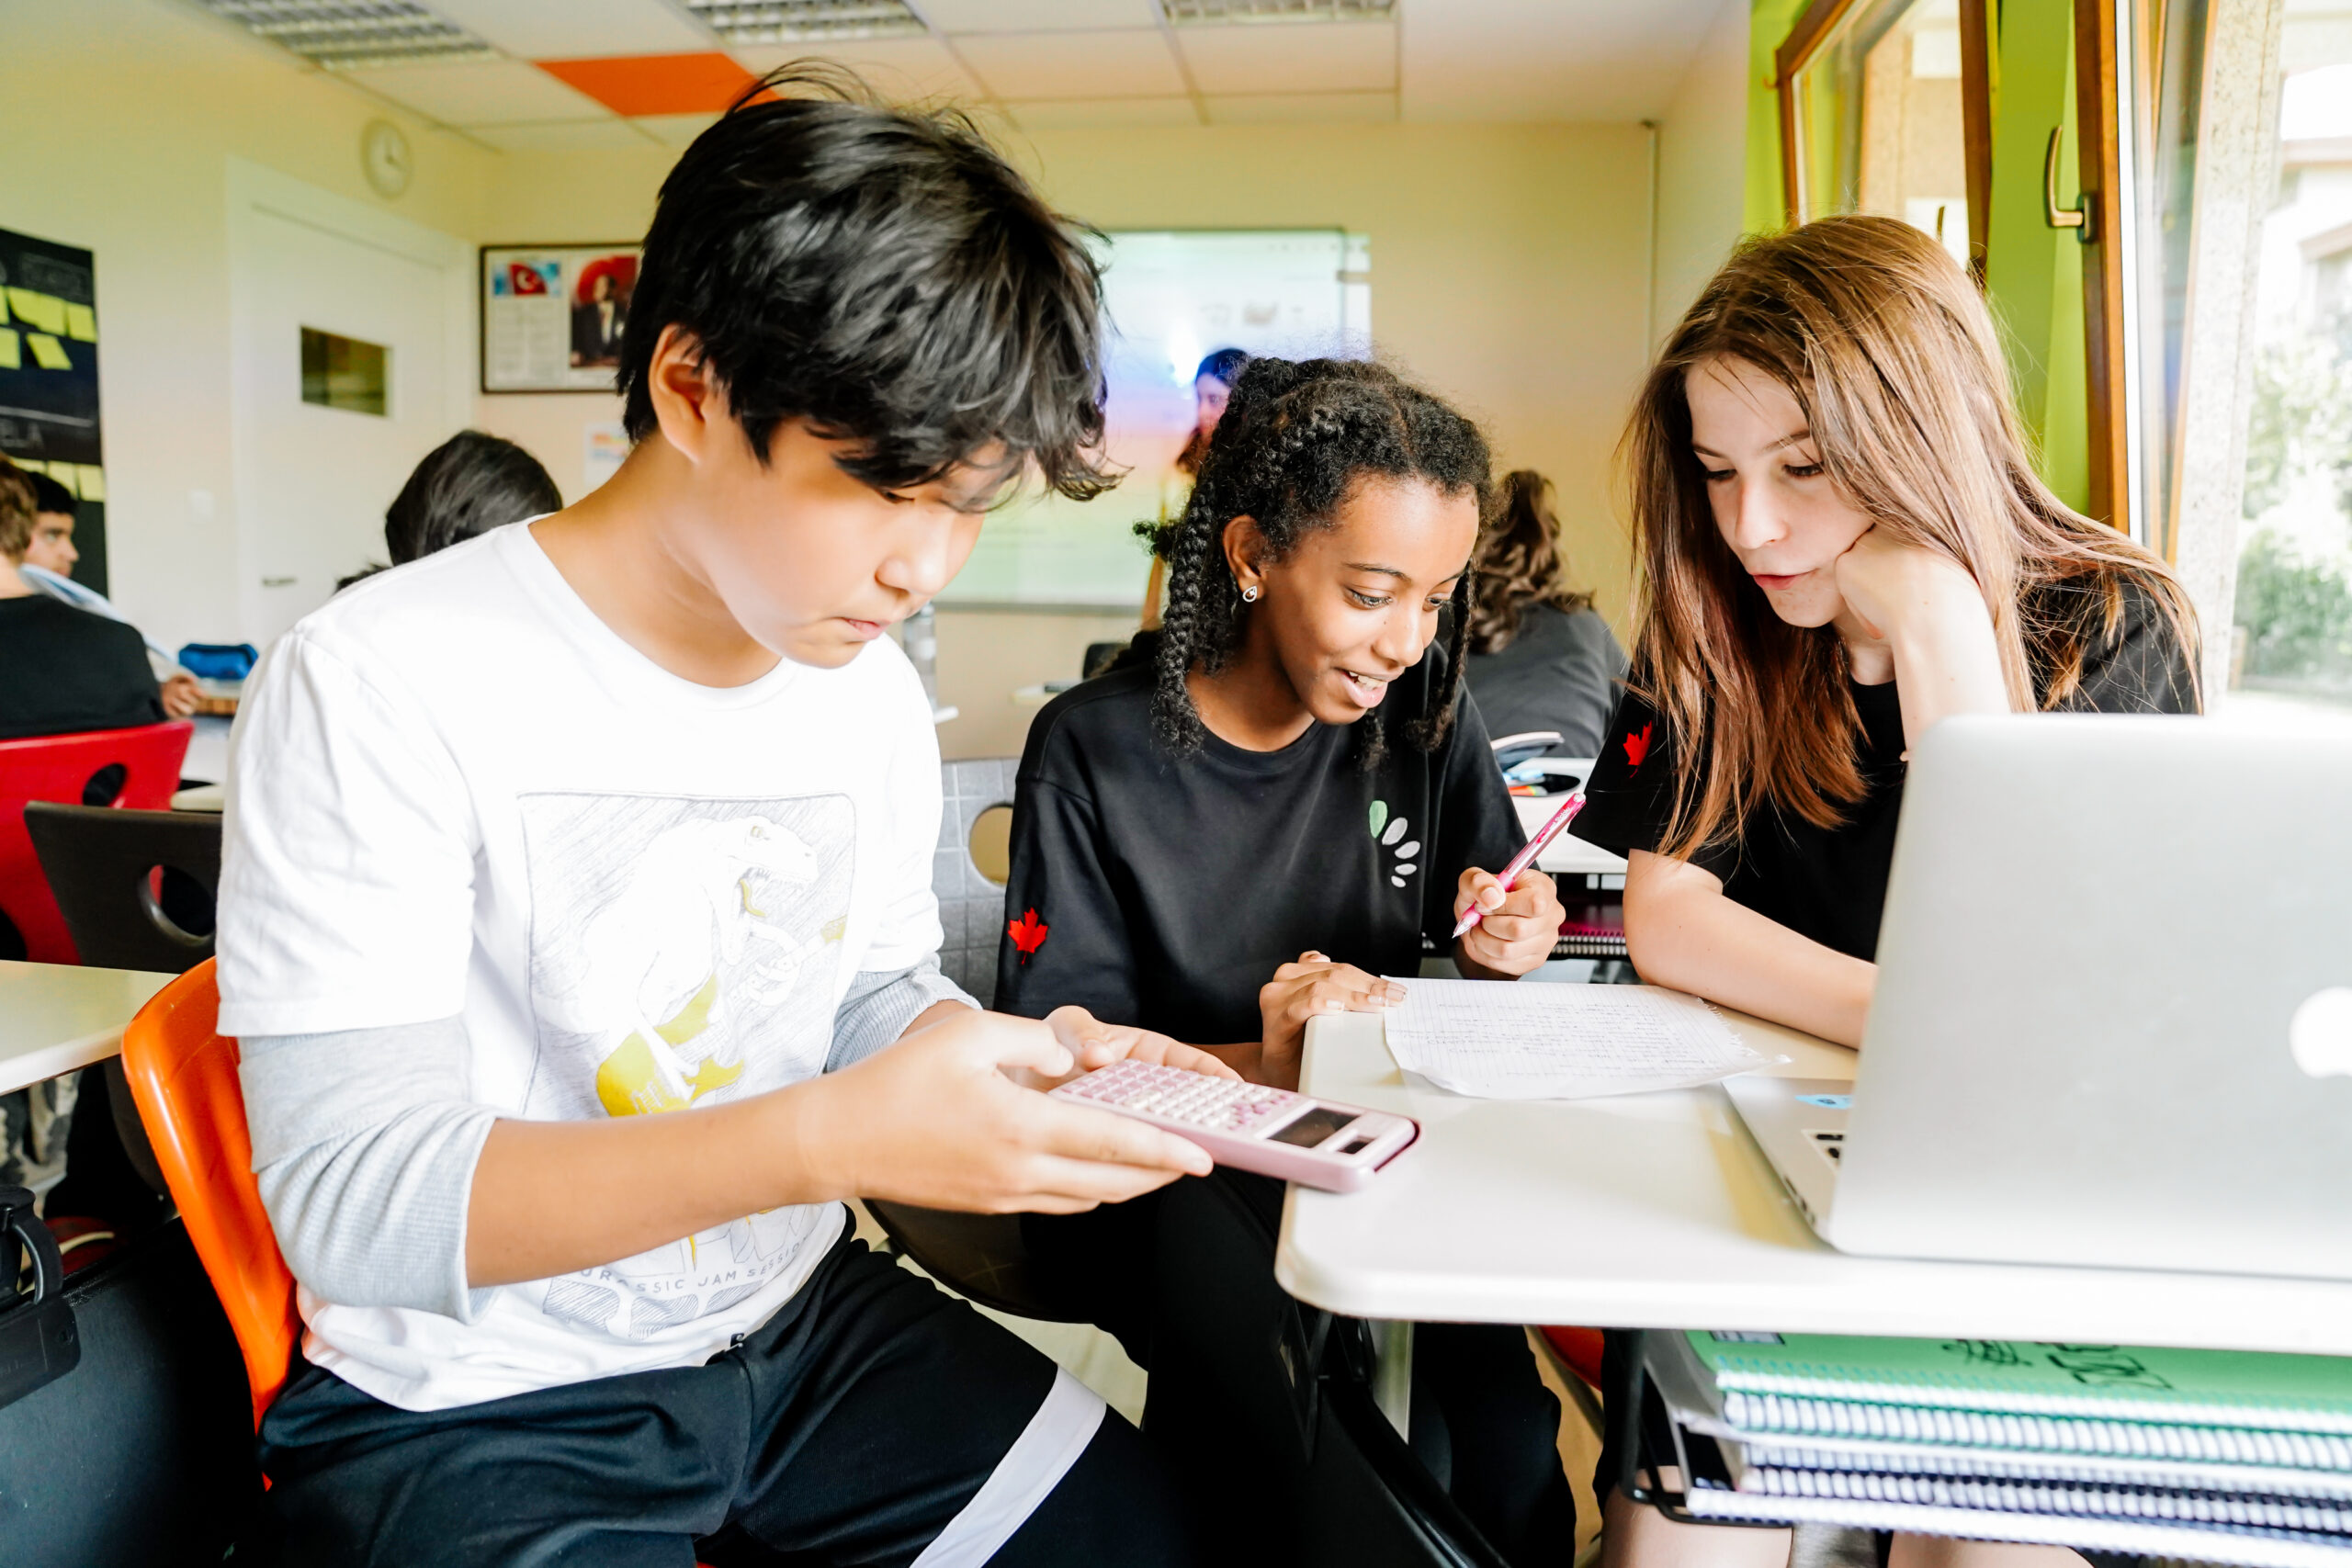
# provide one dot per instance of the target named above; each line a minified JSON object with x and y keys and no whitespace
{"x":576,"y":923}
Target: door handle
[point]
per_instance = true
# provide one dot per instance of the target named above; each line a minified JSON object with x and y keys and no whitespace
{"x":2077,"y":217}
{"x":279,"y":582}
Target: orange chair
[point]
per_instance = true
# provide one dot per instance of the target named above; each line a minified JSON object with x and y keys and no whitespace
{"x":183,"y":1073}
{"x":63,"y":768}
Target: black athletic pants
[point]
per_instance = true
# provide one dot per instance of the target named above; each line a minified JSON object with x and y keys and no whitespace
{"x":852,"y":1427}
{"x":1481,"y":1420}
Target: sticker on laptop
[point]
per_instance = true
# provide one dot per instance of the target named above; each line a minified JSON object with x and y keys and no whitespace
{"x":1827,"y":1102}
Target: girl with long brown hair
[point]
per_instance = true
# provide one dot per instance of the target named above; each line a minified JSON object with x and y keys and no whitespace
{"x":1842,"y":541}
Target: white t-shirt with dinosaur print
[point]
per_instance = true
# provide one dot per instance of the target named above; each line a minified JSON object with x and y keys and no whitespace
{"x":456,"y":793}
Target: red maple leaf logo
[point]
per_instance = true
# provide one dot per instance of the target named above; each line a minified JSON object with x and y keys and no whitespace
{"x":1028,"y":933}
{"x":1638,"y":746}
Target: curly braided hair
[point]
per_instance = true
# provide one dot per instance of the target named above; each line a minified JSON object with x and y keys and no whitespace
{"x":1296,"y":438}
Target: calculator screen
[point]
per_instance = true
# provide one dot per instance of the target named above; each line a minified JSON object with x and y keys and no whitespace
{"x":1315,"y":1126}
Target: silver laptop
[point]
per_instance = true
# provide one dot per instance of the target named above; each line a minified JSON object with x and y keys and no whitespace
{"x":2113,"y":1022}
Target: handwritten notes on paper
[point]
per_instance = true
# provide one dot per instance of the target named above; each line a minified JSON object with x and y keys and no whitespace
{"x":1540,"y":1041}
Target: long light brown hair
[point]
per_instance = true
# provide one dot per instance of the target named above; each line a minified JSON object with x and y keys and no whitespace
{"x":1883,"y":343}
{"x":1518,"y":563}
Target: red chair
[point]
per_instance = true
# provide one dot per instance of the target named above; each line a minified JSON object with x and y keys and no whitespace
{"x":1576,"y":1352}
{"x":62,"y":768}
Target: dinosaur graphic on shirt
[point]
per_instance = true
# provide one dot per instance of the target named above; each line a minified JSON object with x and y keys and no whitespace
{"x":654,"y":956}
{"x":681,"y":950}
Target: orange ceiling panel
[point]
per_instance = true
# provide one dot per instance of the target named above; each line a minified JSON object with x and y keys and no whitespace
{"x":655,"y":83}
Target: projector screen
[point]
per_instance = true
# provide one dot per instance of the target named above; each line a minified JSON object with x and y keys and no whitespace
{"x":1171,"y":297}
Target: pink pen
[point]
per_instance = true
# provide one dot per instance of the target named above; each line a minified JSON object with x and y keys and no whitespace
{"x":1509,"y":876}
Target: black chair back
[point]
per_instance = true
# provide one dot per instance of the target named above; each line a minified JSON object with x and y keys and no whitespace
{"x":131,"y":884}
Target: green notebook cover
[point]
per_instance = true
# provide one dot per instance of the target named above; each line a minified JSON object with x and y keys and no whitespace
{"x":2219,"y":1388}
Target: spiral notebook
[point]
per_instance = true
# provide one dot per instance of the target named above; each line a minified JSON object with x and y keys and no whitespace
{"x":2206,"y":1455}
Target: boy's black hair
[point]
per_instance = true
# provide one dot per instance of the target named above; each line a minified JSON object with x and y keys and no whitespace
{"x":49,"y":495}
{"x":881,"y":273}
{"x":1295,"y":439}
{"x":469,"y":484}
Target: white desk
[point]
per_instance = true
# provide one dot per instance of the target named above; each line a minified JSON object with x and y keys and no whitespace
{"x":57,"y":1017}
{"x":201,"y":797}
{"x":1658,"y":1212}
{"x":1567,"y":852}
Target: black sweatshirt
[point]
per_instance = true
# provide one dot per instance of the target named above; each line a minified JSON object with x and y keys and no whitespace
{"x":64,"y":671}
{"x":1165,"y":892}
{"x":1829,"y":883}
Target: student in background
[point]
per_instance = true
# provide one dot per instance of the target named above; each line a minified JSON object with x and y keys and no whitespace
{"x":1212,"y":388}
{"x":48,"y":567}
{"x":1269,"y":804}
{"x":1541,"y":657}
{"x":1842,"y":541}
{"x":62,"y":670}
{"x":468,"y":485}
{"x":538,"y":842}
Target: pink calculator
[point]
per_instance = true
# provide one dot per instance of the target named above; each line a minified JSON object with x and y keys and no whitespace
{"x":1251,"y":1127}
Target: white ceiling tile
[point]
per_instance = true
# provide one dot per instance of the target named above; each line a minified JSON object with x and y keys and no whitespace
{"x":1301,"y":108}
{"x":1297,"y":57}
{"x":1035,"y":16}
{"x":1548,"y":60}
{"x":577,"y":29}
{"x":1073,"y":65}
{"x":1070,"y":113}
{"x":674,"y":130}
{"x":898,"y":68}
{"x":607,"y":135}
{"x":479,"y":91}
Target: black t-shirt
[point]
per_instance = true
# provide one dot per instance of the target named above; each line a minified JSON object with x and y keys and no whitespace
{"x":1164,"y":893}
{"x":1829,"y":883}
{"x":1560,"y":673}
{"x":64,"y":671}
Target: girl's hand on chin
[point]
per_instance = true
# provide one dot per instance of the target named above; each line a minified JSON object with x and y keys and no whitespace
{"x":1892,"y":586}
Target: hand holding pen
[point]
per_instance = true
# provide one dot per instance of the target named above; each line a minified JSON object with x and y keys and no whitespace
{"x":1519,"y":939}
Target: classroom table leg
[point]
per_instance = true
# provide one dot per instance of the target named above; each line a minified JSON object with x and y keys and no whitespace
{"x":1392,"y":1374}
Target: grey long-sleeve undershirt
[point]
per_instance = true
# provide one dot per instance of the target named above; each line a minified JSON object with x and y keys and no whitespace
{"x":365,"y":1144}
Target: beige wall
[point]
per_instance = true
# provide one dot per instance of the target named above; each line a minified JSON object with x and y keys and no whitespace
{"x":1508,"y":266}
{"x":986,"y":656}
{"x":1702,"y":149}
{"x":119,"y":118}
{"x":1509,"y":272}
{"x":1507,"y":263}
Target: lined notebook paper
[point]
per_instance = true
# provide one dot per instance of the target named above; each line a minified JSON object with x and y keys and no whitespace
{"x":1539,"y":1042}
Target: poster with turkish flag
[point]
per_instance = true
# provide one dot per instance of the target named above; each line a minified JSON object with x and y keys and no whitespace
{"x":553,"y":317}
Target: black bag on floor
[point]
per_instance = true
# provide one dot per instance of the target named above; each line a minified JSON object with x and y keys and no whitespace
{"x":127,"y":1431}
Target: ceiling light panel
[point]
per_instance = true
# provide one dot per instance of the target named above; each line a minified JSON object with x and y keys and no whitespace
{"x":340,"y":34}
{"x":798,"y":21}
{"x":1199,"y":13}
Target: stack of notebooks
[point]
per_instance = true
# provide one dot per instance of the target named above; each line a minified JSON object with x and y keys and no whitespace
{"x":2205,"y":1455}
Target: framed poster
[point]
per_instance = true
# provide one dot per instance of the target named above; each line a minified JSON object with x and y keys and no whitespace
{"x":552,"y":316}
{"x":48,"y":380}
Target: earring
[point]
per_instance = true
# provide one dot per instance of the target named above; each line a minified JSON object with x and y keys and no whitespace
{"x":1249,"y":594}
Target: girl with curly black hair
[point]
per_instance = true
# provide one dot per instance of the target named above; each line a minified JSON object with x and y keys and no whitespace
{"x":1274,"y":800}
{"x":1267,"y":806}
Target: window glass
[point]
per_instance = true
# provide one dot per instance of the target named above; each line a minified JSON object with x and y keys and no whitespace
{"x":1879,"y":120}
{"x":2290,"y":652}
{"x":342,"y":372}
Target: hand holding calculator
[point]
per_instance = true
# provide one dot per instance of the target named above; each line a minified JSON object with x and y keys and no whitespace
{"x":1249,"y":1126}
